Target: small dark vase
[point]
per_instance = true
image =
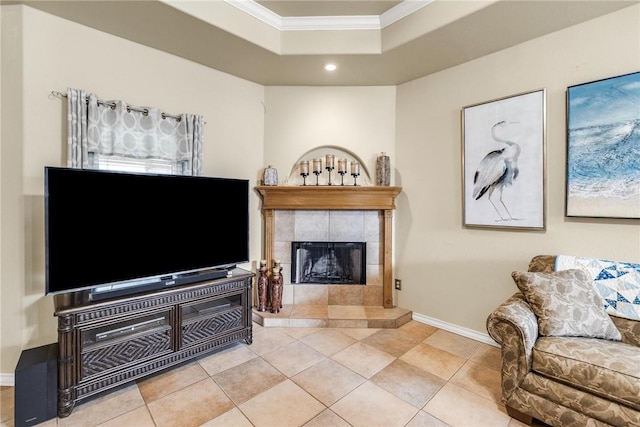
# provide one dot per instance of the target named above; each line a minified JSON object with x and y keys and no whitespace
{"x":276,"y":290}
{"x":263,"y":286}
{"x":276,"y":264}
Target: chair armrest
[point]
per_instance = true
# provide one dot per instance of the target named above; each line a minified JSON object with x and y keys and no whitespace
{"x":630,"y":330}
{"x":514,"y":326}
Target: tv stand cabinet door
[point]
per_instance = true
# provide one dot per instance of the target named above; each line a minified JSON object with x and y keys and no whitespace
{"x":115,"y":345}
{"x":208,"y":319}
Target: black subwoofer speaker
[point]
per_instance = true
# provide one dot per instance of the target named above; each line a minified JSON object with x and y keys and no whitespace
{"x":36,"y":385}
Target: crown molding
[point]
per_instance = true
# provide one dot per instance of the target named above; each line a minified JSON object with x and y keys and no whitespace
{"x":401,"y":10}
{"x":329,"y":23}
{"x":258,"y":11}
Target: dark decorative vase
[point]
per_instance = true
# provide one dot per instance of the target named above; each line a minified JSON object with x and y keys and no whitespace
{"x":263,"y":286}
{"x":276,"y":264}
{"x":276,"y":290}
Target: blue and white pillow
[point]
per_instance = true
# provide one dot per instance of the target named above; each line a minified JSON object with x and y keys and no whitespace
{"x":617,"y":282}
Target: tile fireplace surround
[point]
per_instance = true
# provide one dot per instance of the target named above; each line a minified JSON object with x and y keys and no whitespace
{"x":332,"y":214}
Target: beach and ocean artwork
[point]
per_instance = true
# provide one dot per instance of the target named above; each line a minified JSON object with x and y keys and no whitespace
{"x":603,"y":148}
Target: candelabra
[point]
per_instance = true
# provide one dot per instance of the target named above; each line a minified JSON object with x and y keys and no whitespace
{"x":342,"y":169}
{"x":304,"y":171}
{"x":317,"y":169}
{"x":355,"y":171}
{"x":329,"y":166}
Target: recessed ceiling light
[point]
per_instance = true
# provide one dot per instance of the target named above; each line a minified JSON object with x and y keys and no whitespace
{"x":330,"y":67}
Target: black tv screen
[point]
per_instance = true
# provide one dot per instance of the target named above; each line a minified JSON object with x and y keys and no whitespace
{"x":105,"y":228}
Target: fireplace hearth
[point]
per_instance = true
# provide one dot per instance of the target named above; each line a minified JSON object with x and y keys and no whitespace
{"x":340,"y":263}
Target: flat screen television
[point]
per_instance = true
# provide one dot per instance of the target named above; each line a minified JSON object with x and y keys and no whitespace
{"x":118,"y":233}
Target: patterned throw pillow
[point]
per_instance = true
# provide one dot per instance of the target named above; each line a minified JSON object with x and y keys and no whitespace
{"x":566,"y":304}
{"x":617,"y":282}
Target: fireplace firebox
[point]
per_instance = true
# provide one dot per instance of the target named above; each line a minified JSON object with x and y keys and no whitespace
{"x":341,"y":263}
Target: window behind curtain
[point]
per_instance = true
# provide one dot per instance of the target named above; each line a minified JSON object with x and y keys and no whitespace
{"x":155,"y":166}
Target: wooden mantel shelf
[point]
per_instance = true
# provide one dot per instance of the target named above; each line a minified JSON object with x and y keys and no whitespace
{"x":329,"y":197}
{"x":336,"y":197}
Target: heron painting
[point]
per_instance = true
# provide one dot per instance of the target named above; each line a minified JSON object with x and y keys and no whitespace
{"x":503,"y":162}
{"x":497,"y":170}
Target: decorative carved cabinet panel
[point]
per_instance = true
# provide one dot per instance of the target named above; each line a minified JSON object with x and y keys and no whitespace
{"x":109,"y":343}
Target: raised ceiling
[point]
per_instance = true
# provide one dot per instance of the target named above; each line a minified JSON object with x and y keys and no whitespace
{"x":292,"y":8}
{"x":288,"y":42}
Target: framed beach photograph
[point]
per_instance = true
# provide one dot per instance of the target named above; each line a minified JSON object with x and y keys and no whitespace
{"x":503,"y":162}
{"x":603,"y":148}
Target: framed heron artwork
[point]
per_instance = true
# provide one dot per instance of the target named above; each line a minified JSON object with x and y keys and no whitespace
{"x":603,"y":148}
{"x":503,"y":162}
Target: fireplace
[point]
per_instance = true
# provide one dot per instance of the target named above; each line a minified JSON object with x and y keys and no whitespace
{"x":339,"y":263}
{"x":284,"y":206}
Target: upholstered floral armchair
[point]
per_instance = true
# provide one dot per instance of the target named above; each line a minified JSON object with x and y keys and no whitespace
{"x":566,"y":360}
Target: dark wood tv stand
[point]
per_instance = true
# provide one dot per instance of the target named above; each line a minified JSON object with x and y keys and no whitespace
{"x":106,"y":344}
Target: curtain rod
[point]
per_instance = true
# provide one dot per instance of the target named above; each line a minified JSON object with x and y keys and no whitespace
{"x":112,"y":105}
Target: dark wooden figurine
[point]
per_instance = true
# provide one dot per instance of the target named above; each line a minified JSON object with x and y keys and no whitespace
{"x":276,"y":264}
{"x":276,"y":290}
{"x":263,"y":286}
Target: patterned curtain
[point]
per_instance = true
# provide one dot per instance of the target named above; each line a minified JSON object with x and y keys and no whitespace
{"x":194,"y":124}
{"x":77,"y":142}
{"x":113,"y":128}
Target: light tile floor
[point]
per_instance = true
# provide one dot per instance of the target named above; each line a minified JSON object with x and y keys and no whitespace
{"x":415,"y":375}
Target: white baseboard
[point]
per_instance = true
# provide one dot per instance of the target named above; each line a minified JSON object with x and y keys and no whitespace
{"x":7,"y":380}
{"x":449,"y":327}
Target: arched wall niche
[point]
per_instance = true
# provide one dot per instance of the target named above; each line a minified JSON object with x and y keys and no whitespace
{"x":295,"y":178}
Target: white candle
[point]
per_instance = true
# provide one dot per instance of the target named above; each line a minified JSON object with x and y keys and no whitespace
{"x":355,"y":168}
{"x":329,"y":160}
{"x":304,"y":167}
{"x":341,"y":167}
{"x":317,"y":165}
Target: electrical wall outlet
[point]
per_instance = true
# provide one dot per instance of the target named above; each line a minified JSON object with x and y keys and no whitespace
{"x":398,"y":284}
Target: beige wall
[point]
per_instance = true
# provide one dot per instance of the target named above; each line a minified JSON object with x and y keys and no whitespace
{"x":456,"y":274}
{"x":360,"y":120}
{"x":56,"y":54}
{"x":449,"y":273}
